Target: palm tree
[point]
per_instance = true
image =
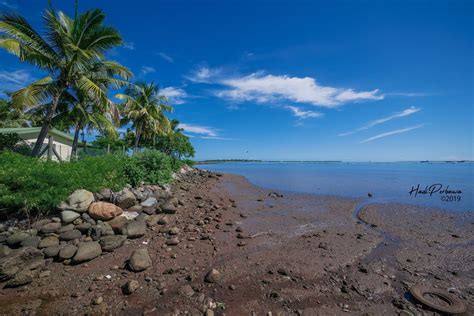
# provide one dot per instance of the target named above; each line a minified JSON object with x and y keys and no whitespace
{"x":70,"y":49}
{"x":144,"y":107}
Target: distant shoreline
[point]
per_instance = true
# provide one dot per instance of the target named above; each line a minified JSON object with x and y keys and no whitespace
{"x":217,"y":161}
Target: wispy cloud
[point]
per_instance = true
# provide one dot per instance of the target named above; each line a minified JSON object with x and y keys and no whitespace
{"x":409,"y":94}
{"x":302,"y":114}
{"x":8,"y":5}
{"x":217,"y":138}
{"x":14,"y":80}
{"x":174,"y":95}
{"x":166,"y":57}
{"x":204,"y":75}
{"x":411,"y":110}
{"x":147,"y":70}
{"x":263,"y":88}
{"x":129,"y":45}
{"x":398,"y":131}
{"x":201,"y":130}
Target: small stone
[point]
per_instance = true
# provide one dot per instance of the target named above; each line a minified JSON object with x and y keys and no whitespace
{"x":49,"y":241}
{"x":213,"y":276}
{"x":110,"y":243}
{"x":169,"y":208}
{"x":66,"y":228}
{"x":70,"y":235}
{"x":51,"y":251}
{"x":97,"y":300}
{"x":69,"y":216}
{"x":32,"y":241}
{"x":67,"y":252}
{"x":172,"y":241}
{"x":50,"y":228}
{"x":186,"y":290}
{"x":87,"y":251}
{"x":17,"y":238}
{"x":150,"y":202}
{"x":209,"y":312}
{"x":164,"y":220}
{"x":4,"y":251}
{"x":174,"y":231}
{"x":140,"y":260}
{"x":84,"y":227}
{"x":130,"y":287}
{"x":134,"y":229}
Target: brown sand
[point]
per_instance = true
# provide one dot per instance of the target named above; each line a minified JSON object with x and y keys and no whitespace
{"x":308,"y":255}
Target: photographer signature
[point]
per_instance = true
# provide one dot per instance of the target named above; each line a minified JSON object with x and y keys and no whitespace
{"x":432,"y":189}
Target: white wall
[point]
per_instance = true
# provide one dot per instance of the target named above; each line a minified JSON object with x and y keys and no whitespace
{"x":64,"y":150}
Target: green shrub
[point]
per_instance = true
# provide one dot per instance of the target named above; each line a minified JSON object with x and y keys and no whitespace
{"x":32,"y":185}
{"x":149,"y":167}
{"x":8,"y":141}
{"x":36,"y":186}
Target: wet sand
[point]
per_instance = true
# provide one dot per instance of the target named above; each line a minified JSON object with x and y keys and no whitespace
{"x":288,"y":255}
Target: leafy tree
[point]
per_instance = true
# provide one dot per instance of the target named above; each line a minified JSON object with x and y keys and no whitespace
{"x":70,"y":49}
{"x":11,"y":117}
{"x":175,"y":143}
{"x":144,"y":107}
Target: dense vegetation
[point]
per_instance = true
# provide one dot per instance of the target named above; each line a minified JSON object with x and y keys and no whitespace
{"x":37,"y":186}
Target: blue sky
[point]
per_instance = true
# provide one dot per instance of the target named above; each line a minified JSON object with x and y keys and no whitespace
{"x":322,"y":80}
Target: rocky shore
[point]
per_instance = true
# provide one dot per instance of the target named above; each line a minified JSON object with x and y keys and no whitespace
{"x":213,"y":244}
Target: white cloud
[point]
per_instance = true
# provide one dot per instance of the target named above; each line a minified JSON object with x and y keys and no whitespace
{"x":129,"y":45}
{"x":267,"y":88}
{"x":174,"y":95}
{"x":217,"y":138}
{"x":204,"y":75}
{"x":411,"y":110}
{"x":201,"y":130}
{"x":301,"y":114}
{"x":166,"y":57}
{"x":147,"y":69}
{"x":398,"y":131}
{"x":14,"y":80}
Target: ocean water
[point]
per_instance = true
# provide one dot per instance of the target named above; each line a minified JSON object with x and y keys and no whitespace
{"x":448,"y":186}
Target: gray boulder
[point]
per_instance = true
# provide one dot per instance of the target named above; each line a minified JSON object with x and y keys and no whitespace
{"x":51,"y":252}
{"x":134,"y":229}
{"x":70,"y":235}
{"x":84,"y":227}
{"x":69,"y":216}
{"x":67,"y":252}
{"x":125,"y":199}
{"x":87,"y":251}
{"x":140,"y":260}
{"x":49,"y":241}
{"x":20,"y":260}
{"x":78,"y":201}
{"x":150,"y":202}
{"x":109,"y":243}
{"x":17,"y":238}
{"x":4,"y":251}
{"x":50,"y":228}
{"x":66,"y":228}
{"x":32,"y":241}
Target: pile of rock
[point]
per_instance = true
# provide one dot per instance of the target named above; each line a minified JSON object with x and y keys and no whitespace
{"x":89,"y":224}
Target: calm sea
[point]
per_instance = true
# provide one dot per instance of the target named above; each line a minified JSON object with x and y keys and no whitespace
{"x":388,"y":182}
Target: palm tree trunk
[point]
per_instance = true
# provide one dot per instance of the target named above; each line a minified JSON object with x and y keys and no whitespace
{"x":77,"y":130}
{"x":46,"y":124}
{"x":137,"y":136}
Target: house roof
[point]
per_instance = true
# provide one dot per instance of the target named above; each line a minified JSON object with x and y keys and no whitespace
{"x":33,"y":130}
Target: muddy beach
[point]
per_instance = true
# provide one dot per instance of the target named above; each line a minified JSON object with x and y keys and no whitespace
{"x":273,"y":253}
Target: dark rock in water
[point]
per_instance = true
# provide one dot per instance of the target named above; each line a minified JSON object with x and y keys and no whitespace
{"x":213,"y":276}
{"x":20,"y":261}
{"x":87,"y":251}
{"x":32,"y":241}
{"x":50,"y":228}
{"x":130,"y":287}
{"x":70,"y":235}
{"x":17,"y":238}
{"x":67,"y":252}
{"x":109,"y":243}
{"x":140,"y":260}
{"x":369,"y":194}
{"x":134,"y":229}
